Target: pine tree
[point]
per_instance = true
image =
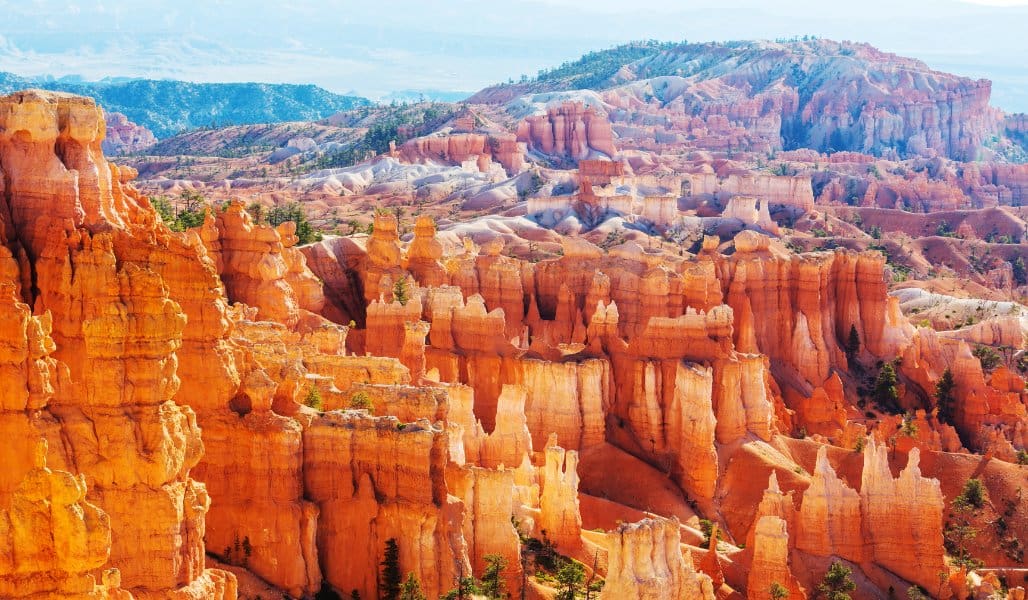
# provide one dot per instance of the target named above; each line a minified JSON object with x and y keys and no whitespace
{"x":837,"y":583}
{"x":400,"y":290}
{"x":945,"y":397}
{"x":852,"y":344}
{"x":885,"y":393}
{"x":492,"y":583}
{"x":569,"y":580}
{"x":778,"y":591}
{"x":392,"y":578}
{"x":411,"y":588}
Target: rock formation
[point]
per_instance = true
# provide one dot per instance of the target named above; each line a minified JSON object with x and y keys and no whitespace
{"x":903,"y":518}
{"x":646,"y":563}
{"x":559,"y":511}
{"x":676,"y":384}
{"x":73,"y":228}
{"x":569,"y":130}
{"x":124,"y":136}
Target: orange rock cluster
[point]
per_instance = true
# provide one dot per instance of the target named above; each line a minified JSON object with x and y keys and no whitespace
{"x":168,"y":395}
{"x":568,"y":129}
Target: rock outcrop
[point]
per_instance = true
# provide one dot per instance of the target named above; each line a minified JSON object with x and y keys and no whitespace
{"x":568,"y":130}
{"x":77,"y":233}
{"x":903,"y":517}
{"x":646,"y":562}
{"x":124,"y":136}
{"x":147,"y":359}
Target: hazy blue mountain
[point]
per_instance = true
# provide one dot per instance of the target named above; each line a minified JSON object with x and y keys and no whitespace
{"x":168,"y":107}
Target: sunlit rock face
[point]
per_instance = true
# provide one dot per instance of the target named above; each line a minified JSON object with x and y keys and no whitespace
{"x":98,"y":369}
{"x":291,"y":411}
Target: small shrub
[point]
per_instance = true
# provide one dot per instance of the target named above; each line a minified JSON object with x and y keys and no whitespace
{"x":361,"y":401}
{"x":707,"y":527}
{"x":312,"y":399}
{"x":989,"y":358}
{"x":973,"y":494}
{"x":909,"y":428}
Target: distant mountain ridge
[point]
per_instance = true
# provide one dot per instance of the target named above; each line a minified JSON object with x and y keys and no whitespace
{"x":805,"y":93}
{"x":168,"y":107}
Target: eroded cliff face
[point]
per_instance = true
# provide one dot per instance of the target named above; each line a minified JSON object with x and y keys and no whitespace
{"x":205,"y":379}
{"x":647,"y":563}
{"x":683,"y":360}
{"x":569,"y":130}
{"x":459,"y":148}
{"x":95,"y":368}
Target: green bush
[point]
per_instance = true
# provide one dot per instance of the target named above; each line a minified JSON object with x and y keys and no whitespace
{"x":361,"y":401}
{"x":312,"y":398}
{"x":989,"y":358}
{"x":973,"y":494}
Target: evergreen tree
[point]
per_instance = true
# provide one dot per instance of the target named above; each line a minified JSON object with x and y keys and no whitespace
{"x":256,"y":210}
{"x":885,"y":393}
{"x":392,"y":578}
{"x":945,"y":397}
{"x":411,"y":588}
{"x":852,"y":345}
{"x":465,"y":587}
{"x":400,"y":290}
{"x":960,"y":531}
{"x":837,"y":583}
{"x":778,"y":591}
{"x":1020,"y":271}
{"x":569,"y":580}
{"x":305,"y":232}
{"x":492,"y":583}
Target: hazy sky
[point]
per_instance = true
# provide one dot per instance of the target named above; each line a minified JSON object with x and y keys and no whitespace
{"x":373,"y":48}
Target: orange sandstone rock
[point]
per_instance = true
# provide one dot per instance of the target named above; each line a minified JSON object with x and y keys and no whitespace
{"x":646,"y":562}
{"x":559,"y":515}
